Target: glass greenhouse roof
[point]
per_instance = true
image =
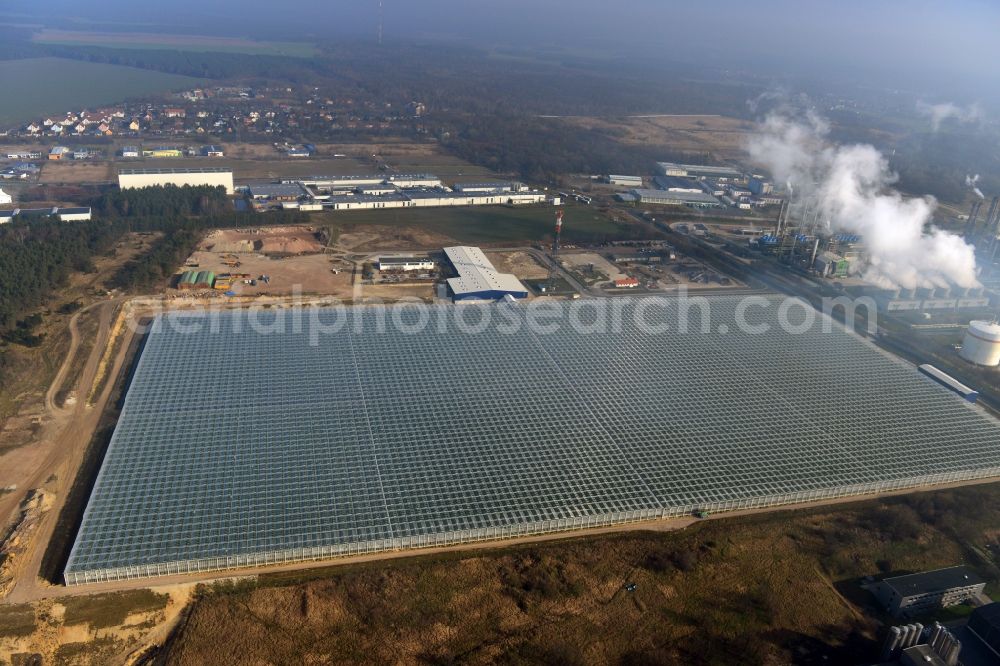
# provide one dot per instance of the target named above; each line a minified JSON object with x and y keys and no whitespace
{"x":253,"y":437}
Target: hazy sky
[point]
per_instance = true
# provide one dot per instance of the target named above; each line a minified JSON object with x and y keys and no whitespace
{"x":940,"y":45}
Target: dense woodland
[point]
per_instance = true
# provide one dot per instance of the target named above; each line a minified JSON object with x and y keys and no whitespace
{"x":39,"y":255}
{"x":169,"y":200}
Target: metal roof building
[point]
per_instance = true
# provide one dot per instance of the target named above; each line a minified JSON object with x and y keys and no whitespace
{"x":677,"y":184}
{"x":397,"y":431}
{"x":478,"y":279}
{"x":665,"y":198}
{"x":698,"y":170}
{"x":277,"y":191}
{"x":214,"y":176}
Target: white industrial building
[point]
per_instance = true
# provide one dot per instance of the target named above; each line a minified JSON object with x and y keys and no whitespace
{"x":677,"y":184}
{"x":347,"y":183}
{"x":365,"y":202}
{"x":405,"y":264}
{"x":81,"y":214}
{"x":5,"y":199}
{"x":392,"y":191}
{"x":982,"y":343}
{"x":699,"y":171}
{"x":477,"y":279}
{"x":212,"y":176}
{"x":277,"y":191}
{"x":488,"y":187}
{"x":625,"y":181}
{"x":405,"y":180}
{"x":664,"y":198}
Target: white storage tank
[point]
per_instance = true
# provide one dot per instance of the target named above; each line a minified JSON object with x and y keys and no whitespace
{"x":982,"y":343}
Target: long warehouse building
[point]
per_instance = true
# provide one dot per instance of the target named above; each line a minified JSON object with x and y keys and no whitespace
{"x":477,"y":279}
{"x":214,"y":176}
{"x":421,"y":425}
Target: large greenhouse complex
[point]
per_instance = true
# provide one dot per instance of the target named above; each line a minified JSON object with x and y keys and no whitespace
{"x":250,"y":438}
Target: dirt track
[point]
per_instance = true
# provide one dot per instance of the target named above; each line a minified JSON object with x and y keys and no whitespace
{"x":63,"y":445}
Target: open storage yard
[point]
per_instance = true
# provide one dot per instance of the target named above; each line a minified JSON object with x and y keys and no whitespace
{"x":251,"y":439}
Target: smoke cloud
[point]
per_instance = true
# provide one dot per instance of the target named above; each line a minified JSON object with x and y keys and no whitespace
{"x":971,"y":181}
{"x":938,"y":113}
{"x":849,"y":189}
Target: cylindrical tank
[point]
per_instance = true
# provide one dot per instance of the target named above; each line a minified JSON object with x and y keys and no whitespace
{"x":951,"y":659}
{"x":891,"y":643}
{"x":982,"y":343}
{"x":907,"y":637}
{"x":935,"y":639}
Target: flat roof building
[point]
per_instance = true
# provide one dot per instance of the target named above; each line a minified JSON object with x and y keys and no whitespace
{"x":677,"y":184}
{"x":277,"y":191}
{"x":487,"y":186}
{"x":405,"y":264}
{"x":918,"y":593}
{"x":81,"y":214}
{"x":699,"y":171}
{"x":984,"y":623}
{"x":62,"y":214}
{"x":626,"y":181}
{"x":664,"y":198}
{"x":478,"y":279}
{"x":163,"y":151}
{"x":212,"y":176}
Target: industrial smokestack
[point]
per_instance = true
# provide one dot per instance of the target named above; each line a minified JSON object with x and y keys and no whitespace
{"x":555,"y":244}
{"x":991,"y":214}
{"x":970,"y":225}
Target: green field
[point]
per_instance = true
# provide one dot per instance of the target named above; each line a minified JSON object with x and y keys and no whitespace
{"x":39,"y":86}
{"x":495,"y":224}
{"x":167,"y":42}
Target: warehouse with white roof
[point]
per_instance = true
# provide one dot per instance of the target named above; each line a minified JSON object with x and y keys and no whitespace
{"x":477,"y":279}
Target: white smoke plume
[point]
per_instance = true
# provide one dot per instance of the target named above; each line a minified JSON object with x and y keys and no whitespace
{"x":850,"y":189}
{"x":972,"y":181}
{"x":938,"y":113}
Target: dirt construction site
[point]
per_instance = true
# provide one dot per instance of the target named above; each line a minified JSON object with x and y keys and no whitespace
{"x":280,"y":261}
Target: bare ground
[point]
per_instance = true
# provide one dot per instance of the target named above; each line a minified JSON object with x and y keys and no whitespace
{"x":521,"y":264}
{"x":723,"y":137}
